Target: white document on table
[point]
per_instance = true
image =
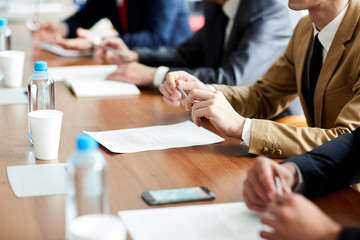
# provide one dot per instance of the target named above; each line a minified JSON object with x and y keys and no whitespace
{"x":29,"y":8}
{"x":13,"y":96}
{"x":225,"y":221}
{"x":89,"y":81}
{"x":38,"y":180}
{"x":81,"y":73}
{"x":178,"y":135}
{"x":59,"y":50}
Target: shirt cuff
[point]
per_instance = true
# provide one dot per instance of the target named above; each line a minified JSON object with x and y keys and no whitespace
{"x":212,"y":88}
{"x":97,"y":40}
{"x":247,"y":131}
{"x":160,"y":75}
{"x":300,"y":187}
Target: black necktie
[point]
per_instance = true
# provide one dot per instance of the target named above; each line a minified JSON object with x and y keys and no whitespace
{"x":315,"y":66}
{"x":314,"y":71}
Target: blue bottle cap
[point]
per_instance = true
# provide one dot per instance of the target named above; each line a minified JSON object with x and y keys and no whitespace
{"x":40,"y":66}
{"x":85,"y":142}
{"x":3,"y":22}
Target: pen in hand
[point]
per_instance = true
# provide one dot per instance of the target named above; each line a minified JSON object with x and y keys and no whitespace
{"x":115,"y":51}
{"x":278,"y":186}
{"x":181,"y":91}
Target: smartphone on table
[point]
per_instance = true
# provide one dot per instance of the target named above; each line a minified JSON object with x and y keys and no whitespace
{"x":177,"y":195}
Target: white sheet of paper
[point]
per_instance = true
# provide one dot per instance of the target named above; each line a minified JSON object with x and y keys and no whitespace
{"x":56,"y":49}
{"x":178,"y":135}
{"x":81,"y":73}
{"x":225,"y":221}
{"x":103,"y":88}
{"x":89,"y":81}
{"x":13,"y":96}
{"x":37,"y":180}
{"x":28,"y":7}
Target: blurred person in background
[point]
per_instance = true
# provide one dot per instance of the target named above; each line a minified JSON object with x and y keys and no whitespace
{"x":238,"y":43}
{"x":140,"y":23}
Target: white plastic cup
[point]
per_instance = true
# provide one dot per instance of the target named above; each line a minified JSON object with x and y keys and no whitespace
{"x":45,"y":128}
{"x":12,"y":67}
{"x":97,"y":227}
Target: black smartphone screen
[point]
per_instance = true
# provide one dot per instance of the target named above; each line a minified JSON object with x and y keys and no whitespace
{"x":177,"y":195}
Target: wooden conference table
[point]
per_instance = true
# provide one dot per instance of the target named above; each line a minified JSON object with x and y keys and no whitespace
{"x":221,"y":167}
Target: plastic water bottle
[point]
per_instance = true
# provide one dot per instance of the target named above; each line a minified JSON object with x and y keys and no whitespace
{"x":5,"y":35}
{"x":80,"y":3}
{"x":87,"y":181}
{"x":5,"y":38}
{"x":41,"y":90}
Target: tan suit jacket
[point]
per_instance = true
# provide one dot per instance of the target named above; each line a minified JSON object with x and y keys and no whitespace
{"x":336,"y":99}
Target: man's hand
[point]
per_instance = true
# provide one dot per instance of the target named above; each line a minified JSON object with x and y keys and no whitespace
{"x":259,"y":186}
{"x":293,"y":217}
{"x":186,"y":81}
{"x":82,"y":42}
{"x":216,"y":108}
{"x":135,"y":73}
{"x":103,"y":55}
{"x":49,"y":30}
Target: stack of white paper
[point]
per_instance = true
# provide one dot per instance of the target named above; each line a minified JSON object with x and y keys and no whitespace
{"x":84,"y":72}
{"x":28,"y":7}
{"x":227,"y":221}
{"x":131,"y":140}
{"x":89,"y":81}
{"x":58,"y":50}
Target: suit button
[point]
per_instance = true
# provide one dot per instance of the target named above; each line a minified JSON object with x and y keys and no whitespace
{"x":278,"y":152}
{"x":265,"y":150}
{"x":272,"y":151}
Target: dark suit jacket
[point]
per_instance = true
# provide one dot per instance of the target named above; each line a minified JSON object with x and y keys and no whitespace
{"x":350,"y":234}
{"x":260,"y":34}
{"x":151,"y":23}
{"x":330,"y":167}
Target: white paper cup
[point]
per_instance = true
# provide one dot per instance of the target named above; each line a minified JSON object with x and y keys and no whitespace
{"x":97,"y":227}
{"x":12,"y":67}
{"x":45,"y":128}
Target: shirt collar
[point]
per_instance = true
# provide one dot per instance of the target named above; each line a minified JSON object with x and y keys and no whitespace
{"x":230,"y":8}
{"x":327,"y":34}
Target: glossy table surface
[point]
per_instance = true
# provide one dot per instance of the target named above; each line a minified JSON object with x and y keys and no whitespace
{"x":220,"y":167}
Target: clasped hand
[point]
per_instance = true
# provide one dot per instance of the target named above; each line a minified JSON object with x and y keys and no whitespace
{"x":202,"y":103}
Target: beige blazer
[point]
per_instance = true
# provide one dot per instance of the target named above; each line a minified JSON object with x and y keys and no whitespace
{"x":336,"y":99}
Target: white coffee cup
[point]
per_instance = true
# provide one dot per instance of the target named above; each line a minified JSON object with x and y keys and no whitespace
{"x":12,"y":67}
{"x":97,"y":227}
{"x":45,"y":126}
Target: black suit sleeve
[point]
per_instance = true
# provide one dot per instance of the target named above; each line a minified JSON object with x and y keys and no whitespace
{"x":350,"y":234}
{"x":170,"y":56}
{"x":86,"y":17}
{"x":333,"y":166}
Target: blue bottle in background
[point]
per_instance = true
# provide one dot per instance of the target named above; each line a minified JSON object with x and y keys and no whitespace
{"x":80,"y":3}
{"x":41,"y":90}
{"x":5,"y":35}
{"x":5,"y":38}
